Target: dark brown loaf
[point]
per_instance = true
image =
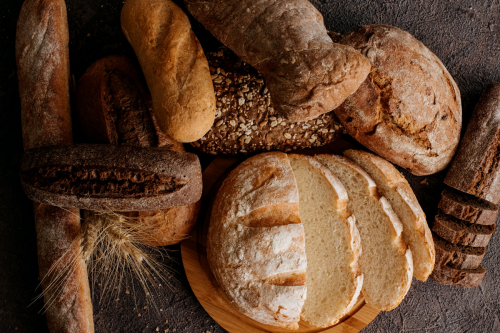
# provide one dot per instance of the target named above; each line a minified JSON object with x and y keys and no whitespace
{"x":460,"y":232}
{"x":286,"y":40}
{"x":409,"y":108}
{"x":246,"y":122}
{"x":42,"y":58}
{"x":467,"y":207}
{"x":108,"y":177}
{"x":114,"y":106}
{"x":475,"y":168}
{"x":458,"y":256}
{"x":470,"y":278}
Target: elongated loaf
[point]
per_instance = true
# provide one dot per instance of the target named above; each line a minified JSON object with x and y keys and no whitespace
{"x":114,"y":106}
{"x":174,"y":65}
{"x":286,"y":40}
{"x":386,"y":261}
{"x":461,"y":232}
{"x":42,"y":58}
{"x":409,"y":109}
{"x":393,"y":186}
{"x":466,"y":207}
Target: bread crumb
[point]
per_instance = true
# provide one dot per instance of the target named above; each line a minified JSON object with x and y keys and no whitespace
{"x":424,"y":182}
{"x":127,"y":292}
{"x":138,"y":315}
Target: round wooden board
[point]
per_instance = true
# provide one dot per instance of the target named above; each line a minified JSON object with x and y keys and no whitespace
{"x":202,"y":281}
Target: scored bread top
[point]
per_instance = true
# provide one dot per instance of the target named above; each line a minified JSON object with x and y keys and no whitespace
{"x":256,"y":243}
{"x":395,"y":188}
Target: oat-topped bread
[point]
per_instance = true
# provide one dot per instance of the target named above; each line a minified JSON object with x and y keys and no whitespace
{"x":246,"y":120}
{"x":395,"y":188}
{"x":286,"y":40}
{"x":282,"y":244}
{"x":386,"y":261}
{"x":409,"y":109}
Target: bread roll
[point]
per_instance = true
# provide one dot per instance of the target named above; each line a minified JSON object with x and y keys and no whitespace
{"x":409,"y":109}
{"x":174,"y":65}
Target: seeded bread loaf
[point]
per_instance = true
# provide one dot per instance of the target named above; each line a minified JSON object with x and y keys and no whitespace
{"x":449,"y":275}
{"x":460,"y":232}
{"x":286,"y":40}
{"x":114,"y":106}
{"x":467,"y":207}
{"x":409,"y":109}
{"x":245,"y":120}
{"x":458,"y":256}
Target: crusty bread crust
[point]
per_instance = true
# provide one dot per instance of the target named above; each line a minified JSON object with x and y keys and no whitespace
{"x":174,"y":65}
{"x":256,"y":243}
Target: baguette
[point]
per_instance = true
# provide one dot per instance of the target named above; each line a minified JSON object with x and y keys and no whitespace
{"x":449,"y":275}
{"x":476,"y":167}
{"x":460,"y":232}
{"x":458,"y":256}
{"x":42,"y":58}
{"x":393,"y":186}
{"x":285,"y":40}
{"x":174,"y":65}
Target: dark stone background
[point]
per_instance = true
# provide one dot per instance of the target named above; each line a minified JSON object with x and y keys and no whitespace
{"x":464,"y":34}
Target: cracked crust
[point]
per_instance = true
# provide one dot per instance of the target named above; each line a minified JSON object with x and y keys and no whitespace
{"x":408,"y":110}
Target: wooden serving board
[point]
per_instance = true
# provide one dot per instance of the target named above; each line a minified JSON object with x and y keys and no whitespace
{"x":202,"y":281}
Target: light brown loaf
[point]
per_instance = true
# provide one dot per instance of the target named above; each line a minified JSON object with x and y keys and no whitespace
{"x":409,"y":109}
{"x":285,"y":40}
{"x":42,"y":58}
{"x":174,"y":65}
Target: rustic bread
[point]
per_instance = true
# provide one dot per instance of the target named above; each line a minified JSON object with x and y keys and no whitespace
{"x":393,"y":186}
{"x":460,"y":232}
{"x":458,"y":256}
{"x":334,"y":280}
{"x":386,"y":261}
{"x":246,"y":122}
{"x":467,"y":207}
{"x":174,"y":65}
{"x":476,"y":167}
{"x":256,"y":243}
{"x":449,"y":275}
{"x":286,"y":40}
{"x":409,"y":109}
{"x":114,"y":106}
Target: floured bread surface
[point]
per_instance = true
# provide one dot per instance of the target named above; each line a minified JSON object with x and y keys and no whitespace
{"x":386,"y":261}
{"x":256,"y":243}
{"x":393,"y":186}
{"x":334,"y":280}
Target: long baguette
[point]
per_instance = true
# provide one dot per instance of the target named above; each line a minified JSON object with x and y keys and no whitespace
{"x":42,"y":56}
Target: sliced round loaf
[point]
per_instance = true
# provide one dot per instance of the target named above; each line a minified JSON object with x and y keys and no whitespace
{"x":256,"y":243}
{"x":334,"y":280}
{"x":386,"y":261}
{"x":395,"y":188}
{"x":409,"y":108}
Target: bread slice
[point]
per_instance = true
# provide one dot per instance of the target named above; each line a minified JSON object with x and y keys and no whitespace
{"x":449,"y":275}
{"x":386,"y":261}
{"x":467,"y":207}
{"x":458,"y":256}
{"x":461,"y":232}
{"x":393,"y":186}
{"x":334,"y":279}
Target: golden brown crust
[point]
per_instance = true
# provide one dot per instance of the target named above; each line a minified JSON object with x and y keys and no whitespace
{"x":174,"y":65}
{"x":409,"y":108}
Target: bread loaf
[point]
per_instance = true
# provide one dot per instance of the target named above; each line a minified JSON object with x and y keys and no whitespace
{"x":114,"y":106}
{"x":393,"y":186}
{"x":174,"y":65}
{"x":469,"y":278}
{"x":246,"y":121}
{"x":460,"y":232}
{"x":386,"y":261}
{"x":467,"y":207}
{"x":476,"y":167}
{"x":409,"y":109}
{"x":457,"y":256}
{"x":285,"y":41}
{"x":42,"y":58}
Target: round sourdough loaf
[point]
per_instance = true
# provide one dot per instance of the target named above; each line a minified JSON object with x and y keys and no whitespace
{"x":409,"y":108}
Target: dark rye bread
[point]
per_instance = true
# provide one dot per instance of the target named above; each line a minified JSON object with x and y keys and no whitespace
{"x":467,"y":207}
{"x":245,"y":120}
{"x":476,"y":165}
{"x":109,"y":177}
{"x":458,"y":256}
{"x":460,"y":232}
{"x":449,"y":275}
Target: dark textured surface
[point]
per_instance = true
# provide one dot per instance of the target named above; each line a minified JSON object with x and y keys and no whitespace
{"x":465,"y":35}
